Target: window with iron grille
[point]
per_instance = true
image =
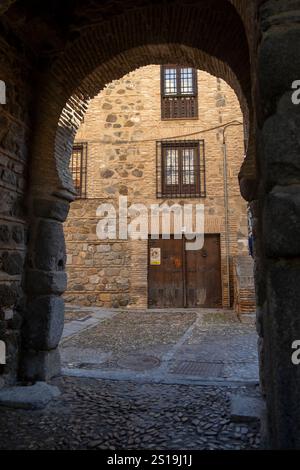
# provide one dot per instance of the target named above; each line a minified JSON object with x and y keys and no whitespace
{"x":180,"y":169}
{"x":179,"y":94}
{"x":78,"y":166}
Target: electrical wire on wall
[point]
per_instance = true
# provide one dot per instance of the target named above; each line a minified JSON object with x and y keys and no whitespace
{"x":173,"y":137}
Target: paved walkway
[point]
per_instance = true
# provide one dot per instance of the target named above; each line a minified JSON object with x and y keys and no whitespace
{"x":173,"y":375}
{"x":165,"y":346}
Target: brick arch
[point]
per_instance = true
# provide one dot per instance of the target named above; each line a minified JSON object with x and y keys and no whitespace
{"x":119,"y":66}
{"x":214,"y":27}
{"x":210,"y":36}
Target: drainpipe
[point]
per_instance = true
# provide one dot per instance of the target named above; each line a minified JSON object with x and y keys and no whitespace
{"x":226,"y":204}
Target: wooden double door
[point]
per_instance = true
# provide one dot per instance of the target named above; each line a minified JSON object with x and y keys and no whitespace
{"x":179,"y":278}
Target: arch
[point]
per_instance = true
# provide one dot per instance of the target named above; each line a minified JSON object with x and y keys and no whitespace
{"x":206,"y":35}
{"x":119,"y":66}
{"x":106,"y":50}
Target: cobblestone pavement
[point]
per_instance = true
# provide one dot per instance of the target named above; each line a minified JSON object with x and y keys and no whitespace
{"x":102,"y":414}
{"x":170,"y":346}
{"x":145,"y":380}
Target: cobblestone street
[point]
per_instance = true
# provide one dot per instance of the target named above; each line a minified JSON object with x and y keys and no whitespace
{"x":145,"y":380}
{"x":126,"y":415}
{"x":169,"y":346}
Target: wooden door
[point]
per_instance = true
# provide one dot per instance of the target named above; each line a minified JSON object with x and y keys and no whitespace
{"x":203,"y":275}
{"x":178,"y":278}
{"x":165,"y":278}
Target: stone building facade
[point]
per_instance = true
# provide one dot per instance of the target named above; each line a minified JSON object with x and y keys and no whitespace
{"x":121,"y":134}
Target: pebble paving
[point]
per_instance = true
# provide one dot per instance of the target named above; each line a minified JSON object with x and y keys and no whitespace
{"x":100,"y":413}
{"x":218,"y":341}
{"x":112,"y":415}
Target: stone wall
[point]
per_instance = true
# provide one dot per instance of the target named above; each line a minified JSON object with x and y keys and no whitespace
{"x":254,"y":46}
{"x":14,"y":135}
{"x":121,"y":128}
{"x":277,"y":225}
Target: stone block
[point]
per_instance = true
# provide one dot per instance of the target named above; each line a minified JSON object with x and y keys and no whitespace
{"x":282,"y":322}
{"x":44,"y":282}
{"x":32,"y":397}
{"x":40,"y":365}
{"x":9,"y":293}
{"x":4,"y":233}
{"x":106,"y":173}
{"x":50,"y":251}
{"x":281,"y":222}
{"x":124,"y":302}
{"x":137,"y":173}
{"x":94,"y":279}
{"x":17,"y":234}
{"x":44,"y":323}
{"x":282,"y":377}
{"x":51,"y":209}
{"x":103,"y":248}
{"x":12,"y":263}
{"x":279,"y":62}
{"x":244,"y":409}
{"x":283,"y":282}
{"x":8,"y":177}
{"x":282,"y":328}
{"x":105,"y":297}
{"x":280,"y":147}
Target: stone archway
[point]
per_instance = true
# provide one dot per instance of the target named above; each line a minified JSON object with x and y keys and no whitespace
{"x":101,"y":54}
{"x":260,"y":40}
{"x":104,"y":53}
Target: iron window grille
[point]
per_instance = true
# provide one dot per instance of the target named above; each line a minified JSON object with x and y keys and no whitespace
{"x":180,"y":169}
{"x":78,"y":168}
{"x":179,"y":92}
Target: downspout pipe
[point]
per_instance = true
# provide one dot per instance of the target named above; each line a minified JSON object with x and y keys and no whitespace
{"x":226,"y":202}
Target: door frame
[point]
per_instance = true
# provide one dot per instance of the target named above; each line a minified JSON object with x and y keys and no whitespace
{"x":184,"y":266}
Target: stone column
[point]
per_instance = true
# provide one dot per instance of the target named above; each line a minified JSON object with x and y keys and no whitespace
{"x":278,"y":271}
{"x":45,"y":281}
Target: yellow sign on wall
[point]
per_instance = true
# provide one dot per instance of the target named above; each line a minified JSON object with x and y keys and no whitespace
{"x":155,"y":256}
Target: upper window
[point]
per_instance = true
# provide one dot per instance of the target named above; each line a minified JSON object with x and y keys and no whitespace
{"x":179,"y":92}
{"x":78,"y":168}
{"x":181,"y":169}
